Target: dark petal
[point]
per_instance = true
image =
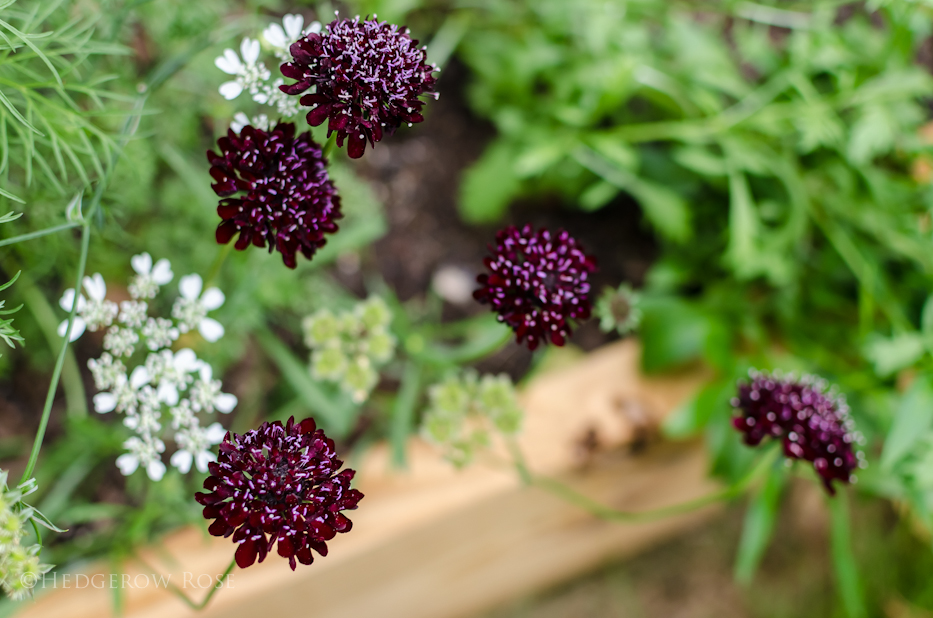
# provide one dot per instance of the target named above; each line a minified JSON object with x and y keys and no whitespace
{"x":219,"y":528}
{"x":246,"y":554}
{"x":356,"y":145}
{"x":225,"y":232}
{"x":319,"y":114}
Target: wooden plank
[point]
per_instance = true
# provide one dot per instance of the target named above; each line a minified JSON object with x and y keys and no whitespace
{"x":432,"y":541}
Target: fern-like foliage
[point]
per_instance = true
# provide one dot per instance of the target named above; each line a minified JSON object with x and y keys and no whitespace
{"x":54,"y":108}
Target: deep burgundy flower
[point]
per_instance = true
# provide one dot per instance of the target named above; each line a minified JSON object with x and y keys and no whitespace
{"x":285,"y":196}
{"x":813,"y":424}
{"x":278,"y":484}
{"x":537,"y":283}
{"x":368,"y":77}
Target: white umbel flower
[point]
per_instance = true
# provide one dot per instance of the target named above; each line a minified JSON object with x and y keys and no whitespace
{"x":125,"y":394}
{"x":249,"y":72}
{"x":191,"y":308}
{"x":148,"y":277}
{"x":93,"y":312}
{"x":195,"y":447}
{"x":145,"y":453}
{"x":206,"y":395}
{"x":280,"y":38}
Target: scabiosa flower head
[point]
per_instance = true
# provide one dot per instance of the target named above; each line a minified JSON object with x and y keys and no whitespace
{"x":276,"y":189}
{"x":812,"y":423}
{"x":537,"y":283}
{"x":368,"y":77}
{"x":278,"y":484}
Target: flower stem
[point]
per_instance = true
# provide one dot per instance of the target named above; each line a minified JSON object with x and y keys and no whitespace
{"x":195,"y":605}
{"x":602,"y":511}
{"x":330,"y":145}
{"x":218,"y":263}
{"x":60,"y":362}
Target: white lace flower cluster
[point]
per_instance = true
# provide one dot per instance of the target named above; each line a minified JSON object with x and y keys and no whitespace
{"x":251,"y":75}
{"x":20,"y":568}
{"x":349,"y":347}
{"x":163,"y":381}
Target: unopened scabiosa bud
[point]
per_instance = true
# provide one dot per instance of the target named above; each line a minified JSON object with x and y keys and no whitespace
{"x":812,"y":423}
{"x":367,"y":78}
{"x":275,"y":190}
{"x":537,"y":283}
{"x":278,"y":484}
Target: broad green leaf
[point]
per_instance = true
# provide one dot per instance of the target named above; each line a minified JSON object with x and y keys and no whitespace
{"x":692,"y":416}
{"x":489,"y":185}
{"x":912,"y":421}
{"x":890,"y":355}
{"x":674,"y":333}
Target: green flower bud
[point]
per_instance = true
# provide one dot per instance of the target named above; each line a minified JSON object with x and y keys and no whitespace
{"x":450,"y":397}
{"x":374,"y":313}
{"x":21,"y":571}
{"x":359,"y":379}
{"x":320,"y":328}
{"x":380,"y":346}
{"x":11,"y":529}
{"x":328,"y":364}
{"x":497,"y":400}
{"x":619,"y":309}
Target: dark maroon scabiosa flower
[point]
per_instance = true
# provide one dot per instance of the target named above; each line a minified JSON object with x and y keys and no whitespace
{"x":812,"y":423}
{"x":537,"y":283}
{"x":278,"y":484}
{"x":367,"y":78}
{"x":275,"y":190}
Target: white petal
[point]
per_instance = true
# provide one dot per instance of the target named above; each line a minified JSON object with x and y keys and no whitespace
{"x":225,"y":402}
{"x":215,"y":433}
{"x":204,"y":458}
{"x":66,"y":302}
{"x":162,"y":273}
{"x":139,"y":377}
{"x":76,"y":331}
{"x":127,"y":463}
{"x":212,"y":298}
{"x":261,"y":97}
{"x":168,"y":393}
{"x":190,"y":286}
{"x":211,"y":329}
{"x":293,"y":25}
{"x":229,"y":63}
{"x":104,"y":402}
{"x":131,"y":422}
{"x":185,"y":360}
{"x":95,"y":286}
{"x":230,"y":90}
{"x":141,"y":263}
{"x":155,"y":470}
{"x":275,"y":36}
{"x":249,"y":49}
{"x":182,"y":461}
{"x":239,"y":121}
{"x":315,"y":27}
{"x":206,"y":372}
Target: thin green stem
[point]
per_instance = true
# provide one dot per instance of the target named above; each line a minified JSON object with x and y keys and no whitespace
{"x":195,"y":605}
{"x":330,"y":145}
{"x":39,"y":233}
{"x":75,"y":395}
{"x":60,"y":362}
{"x":218,"y":263}
{"x":610,"y":514}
